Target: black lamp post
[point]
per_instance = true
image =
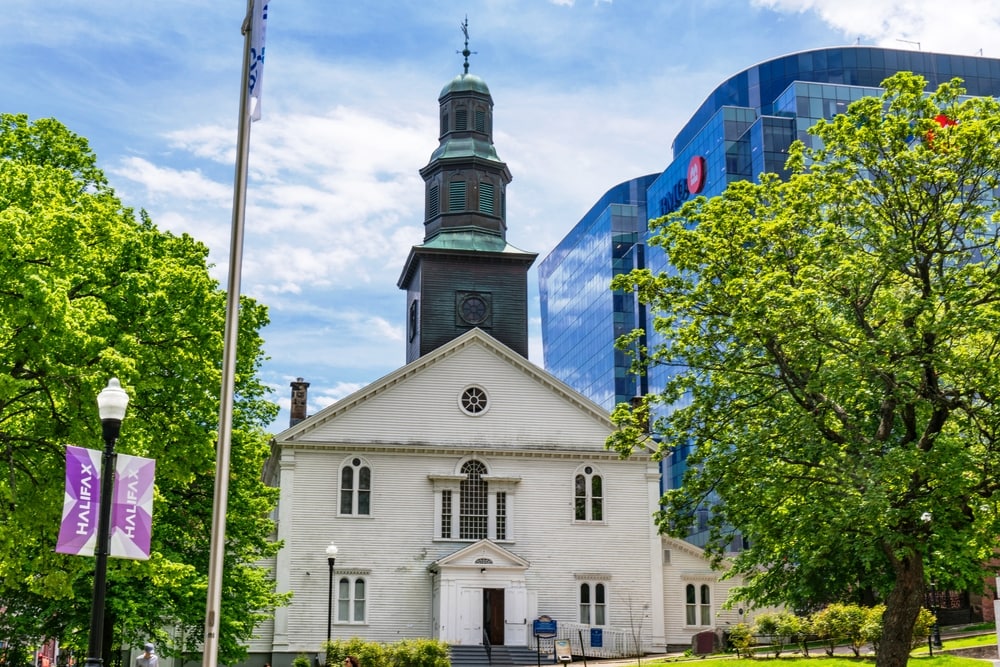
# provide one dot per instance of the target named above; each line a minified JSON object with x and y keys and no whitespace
{"x":111,"y":404}
{"x":331,"y":557}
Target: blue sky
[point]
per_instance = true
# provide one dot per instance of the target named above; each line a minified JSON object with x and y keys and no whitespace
{"x":587,"y":94}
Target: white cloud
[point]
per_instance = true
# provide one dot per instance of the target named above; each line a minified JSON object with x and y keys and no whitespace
{"x":960,"y":26}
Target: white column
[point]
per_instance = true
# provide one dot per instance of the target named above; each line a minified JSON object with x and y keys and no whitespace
{"x":656,"y":611}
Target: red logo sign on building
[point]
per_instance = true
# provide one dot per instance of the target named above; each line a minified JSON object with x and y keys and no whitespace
{"x":696,"y":174}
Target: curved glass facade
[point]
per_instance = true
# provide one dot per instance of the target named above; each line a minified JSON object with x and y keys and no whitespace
{"x":581,"y":317}
{"x":743,"y":129}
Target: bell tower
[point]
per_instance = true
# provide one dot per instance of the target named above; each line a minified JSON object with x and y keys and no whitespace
{"x":465,"y":274}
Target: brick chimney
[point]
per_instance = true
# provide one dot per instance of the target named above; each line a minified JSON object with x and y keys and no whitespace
{"x":300,"y":395}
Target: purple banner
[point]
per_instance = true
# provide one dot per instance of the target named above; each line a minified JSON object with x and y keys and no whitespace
{"x":132,"y":511}
{"x":82,"y":498}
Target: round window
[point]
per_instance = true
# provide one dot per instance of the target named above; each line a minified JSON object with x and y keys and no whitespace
{"x":474,"y":401}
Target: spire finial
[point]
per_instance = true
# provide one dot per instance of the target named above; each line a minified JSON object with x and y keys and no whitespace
{"x":466,"y":52}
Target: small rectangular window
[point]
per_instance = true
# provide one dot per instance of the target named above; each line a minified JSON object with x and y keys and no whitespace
{"x":461,"y":119}
{"x":446,"y":514}
{"x":480,"y":120}
{"x":501,"y":517}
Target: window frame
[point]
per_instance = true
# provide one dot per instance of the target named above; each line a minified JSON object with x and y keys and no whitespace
{"x":585,"y":503}
{"x":498,"y":496}
{"x":357,"y":465}
{"x":592,"y":602}
{"x":350,"y":603}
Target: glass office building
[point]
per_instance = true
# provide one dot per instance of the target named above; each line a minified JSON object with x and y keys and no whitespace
{"x":581,"y":317}
{"x":742,"y":129}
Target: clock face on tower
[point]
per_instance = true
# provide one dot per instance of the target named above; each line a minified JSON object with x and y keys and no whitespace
{"x":473,"y":308}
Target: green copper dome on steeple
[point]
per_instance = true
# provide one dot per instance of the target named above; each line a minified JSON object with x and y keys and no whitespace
{"x":465,"y":83}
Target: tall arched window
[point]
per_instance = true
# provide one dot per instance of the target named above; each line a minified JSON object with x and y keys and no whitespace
{"x":474,"y":510}
{"x":355,"y":488}
{"x":588,"y":495}
{"x":351,"y":600}
{"x":592,"y":603}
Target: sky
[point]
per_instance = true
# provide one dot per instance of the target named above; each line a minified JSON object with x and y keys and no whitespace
{"x":587,"y":94}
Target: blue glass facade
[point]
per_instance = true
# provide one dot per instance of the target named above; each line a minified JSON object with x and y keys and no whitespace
{"x":581,"y":317}
{"x":743,"y":129}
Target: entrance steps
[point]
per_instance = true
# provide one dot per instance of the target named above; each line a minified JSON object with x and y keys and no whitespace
{"x":464,"y":655}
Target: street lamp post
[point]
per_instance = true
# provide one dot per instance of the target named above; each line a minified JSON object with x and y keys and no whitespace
{"x":331,"y":557}
{"x":111,"y":404}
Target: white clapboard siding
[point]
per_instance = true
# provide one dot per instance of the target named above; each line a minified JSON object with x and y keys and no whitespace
{"x":419,"y":404}
{"x":409,"y":429}
{"x":688,"y":565}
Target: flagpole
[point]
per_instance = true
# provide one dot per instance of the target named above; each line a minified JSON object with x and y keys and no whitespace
{"x":210,"y":655}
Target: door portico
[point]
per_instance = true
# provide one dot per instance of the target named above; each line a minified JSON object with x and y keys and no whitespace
{"x":480,"y":590}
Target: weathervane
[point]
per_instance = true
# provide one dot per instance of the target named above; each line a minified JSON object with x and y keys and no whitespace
{"x":466,"y":52}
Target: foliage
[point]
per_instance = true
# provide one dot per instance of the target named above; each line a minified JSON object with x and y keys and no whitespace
{"x":302,"y":660}
{"x":922,"y":628}
{"x":741,"y":638}
{"x":89,"y":290}
{"x":872,"y":626}
{"x":419,"y":653}
{"x":842,"y":622}
{"x":404,"y":653}
{"x":779,"y":627}
{"x":939,"y":660}
{"x":835,"y":340}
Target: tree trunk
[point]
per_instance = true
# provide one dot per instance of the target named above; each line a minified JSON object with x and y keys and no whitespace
{"x":901,"y":610}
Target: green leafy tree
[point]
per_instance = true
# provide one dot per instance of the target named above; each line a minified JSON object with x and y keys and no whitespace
{"x":89,"y":290}
{"x":836,"y":338}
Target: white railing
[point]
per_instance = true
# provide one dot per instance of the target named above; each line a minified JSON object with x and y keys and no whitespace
{"x":615,"y":642}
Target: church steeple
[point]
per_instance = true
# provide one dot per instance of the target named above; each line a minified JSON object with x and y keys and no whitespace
{"x":465,"y":274}
{"x":465,"y":181}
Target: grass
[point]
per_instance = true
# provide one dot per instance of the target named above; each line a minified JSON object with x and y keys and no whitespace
{"x":964,"y":642}
{"x":823,"y":660}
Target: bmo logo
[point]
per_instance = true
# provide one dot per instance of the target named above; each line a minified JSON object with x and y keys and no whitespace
{"x":682,"y":190}
{"x":696,"y":174}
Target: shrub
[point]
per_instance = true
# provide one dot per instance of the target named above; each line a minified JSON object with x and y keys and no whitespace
{"x":418,"y":653}
{"x":301,"y":660}
{"x":922,"y":628}
{"x":741,"y":639}
{"x":405,"y":653}
{"x":778,"y":627}
{"x":841,"y":621}
{"x":871,"y":629}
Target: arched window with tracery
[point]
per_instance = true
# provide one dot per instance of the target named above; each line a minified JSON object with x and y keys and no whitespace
{"x":474,"y":510}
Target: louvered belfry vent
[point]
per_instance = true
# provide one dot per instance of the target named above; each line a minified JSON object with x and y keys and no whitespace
{"x":486,"y":198}
{"x":456,"y":196}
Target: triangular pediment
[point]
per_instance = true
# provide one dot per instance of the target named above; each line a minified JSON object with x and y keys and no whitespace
{"x":479,"y":555}
{"x":419,"y":407}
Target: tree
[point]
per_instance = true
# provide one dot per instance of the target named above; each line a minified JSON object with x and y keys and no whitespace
{"x":836,"y":338}
{"x":88,"y":291}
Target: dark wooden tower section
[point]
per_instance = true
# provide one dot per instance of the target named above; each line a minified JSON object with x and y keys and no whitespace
{"x":465,"y":274}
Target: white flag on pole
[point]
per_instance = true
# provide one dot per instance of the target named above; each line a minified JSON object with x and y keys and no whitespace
{"x":258,"y":30}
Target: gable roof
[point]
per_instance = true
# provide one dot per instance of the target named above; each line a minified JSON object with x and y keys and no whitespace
{"x":418,"y":404}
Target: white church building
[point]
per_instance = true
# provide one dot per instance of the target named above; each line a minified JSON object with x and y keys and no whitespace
{"x":469,"y":493}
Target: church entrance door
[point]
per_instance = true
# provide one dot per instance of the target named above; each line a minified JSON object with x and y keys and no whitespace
{"x":493,"y":615}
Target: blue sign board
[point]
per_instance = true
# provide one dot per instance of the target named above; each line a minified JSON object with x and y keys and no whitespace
{"x":597,"y":637}
{"x":544,"y":626}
